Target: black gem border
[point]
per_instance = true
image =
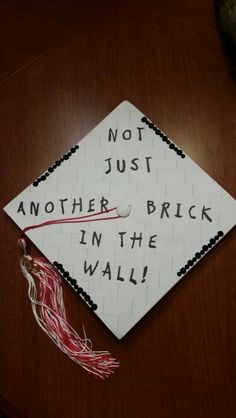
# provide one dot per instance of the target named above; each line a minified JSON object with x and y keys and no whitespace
{"x":205,"y":248}
{"x":164,"y":137}
{"x":55,"y":165}
{"x":72,"y":282}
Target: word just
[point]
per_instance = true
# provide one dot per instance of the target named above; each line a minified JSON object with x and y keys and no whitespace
{"x":122,"y":165}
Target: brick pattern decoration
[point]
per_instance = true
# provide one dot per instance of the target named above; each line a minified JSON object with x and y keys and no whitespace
{"x":79,"y":180}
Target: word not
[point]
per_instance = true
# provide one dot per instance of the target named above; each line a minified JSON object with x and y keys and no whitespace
{"x":167,"y":209}
{"x":121,"y":165}
{"x":107,"y":272}
{"x":126,"y":134}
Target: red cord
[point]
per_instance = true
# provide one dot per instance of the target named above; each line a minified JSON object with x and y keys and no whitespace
{"x":79,"y":219}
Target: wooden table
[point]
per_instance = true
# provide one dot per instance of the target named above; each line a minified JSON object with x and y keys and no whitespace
{"x":65,"y":65}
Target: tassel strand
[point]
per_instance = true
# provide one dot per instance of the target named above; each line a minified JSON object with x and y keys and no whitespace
{"x":46,"y":297}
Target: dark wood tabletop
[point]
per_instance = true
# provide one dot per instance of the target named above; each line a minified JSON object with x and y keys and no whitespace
{"x":64,"y":66}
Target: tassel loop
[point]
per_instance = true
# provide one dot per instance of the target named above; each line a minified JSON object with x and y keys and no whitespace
{"x":22,"y":245}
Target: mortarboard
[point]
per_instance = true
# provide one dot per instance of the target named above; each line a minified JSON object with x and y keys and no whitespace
{"x":122,"y":217}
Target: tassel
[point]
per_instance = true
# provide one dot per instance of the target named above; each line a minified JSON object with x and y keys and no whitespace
{"x":46,"y":297}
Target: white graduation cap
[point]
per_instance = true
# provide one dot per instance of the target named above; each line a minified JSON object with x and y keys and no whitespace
{"x":169,"y":215}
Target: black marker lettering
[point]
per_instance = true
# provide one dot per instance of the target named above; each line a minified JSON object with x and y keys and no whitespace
{"x":119,"y":168}
{"x":109,"y":165}
{"x":190,"y":212}
{"x":150,"y":207}
{"x":119,"y":276}
{"x":135,"y":238}
{"x":34,"y":207}
{"x":204,"y":214}
{"x":152,"y":241}
{"x":144,"y":274}
{"x":91,"y":205}
{"x":49,"y":207}
{"x":131,"y":277}
{"x":135,"y":165}
{"x":112,"y":135}
{"x":125,"y":136}
{"x":75,"y":204}
{"x":165,"y":206}
{"x":177,"y":215}
{"x":82,"y":238}
{"x":21,"y":208}
{"x":148,"y":164}
{"x":62,"y":205}
{"x":107,"y":271}
{"x":89,"y":268}
{"x":140,"y":133}
{"x":96,"y":237}
{"x":104,"y":202}
{"x":121,"y":238}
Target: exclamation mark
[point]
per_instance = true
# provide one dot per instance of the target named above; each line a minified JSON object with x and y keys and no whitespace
{"x":144,"y":274}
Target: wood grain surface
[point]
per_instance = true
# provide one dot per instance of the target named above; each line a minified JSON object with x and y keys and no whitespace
{"x":65,"y":65}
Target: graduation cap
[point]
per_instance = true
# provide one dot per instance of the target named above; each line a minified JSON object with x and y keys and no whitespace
{"x":122,"y":217}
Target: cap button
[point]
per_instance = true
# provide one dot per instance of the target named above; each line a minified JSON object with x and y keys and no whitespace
{"x":123,"y":210}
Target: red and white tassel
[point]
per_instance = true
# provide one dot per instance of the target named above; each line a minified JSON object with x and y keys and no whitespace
{"x":46,"y":296}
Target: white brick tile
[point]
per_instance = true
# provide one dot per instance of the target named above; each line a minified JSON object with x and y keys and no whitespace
{"x":183,"y":189}
{"x":113,"y":305}
{"x":90,"y":173}
{"x":206,"y":189}
{"x":187,"y":233}
{"x":170,"y":176}
{"x":121,"y":186}
{"x":157,"y":189}
{"x":95,"y":187}
{"x":69,"y":186}
{"x":54,"y":237}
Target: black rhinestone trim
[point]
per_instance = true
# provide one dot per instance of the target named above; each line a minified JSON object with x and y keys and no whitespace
{"x":66,"y":275}
{"x":55,"y":165}
{"x":205,"y":248}
{"x":164,"y":138}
